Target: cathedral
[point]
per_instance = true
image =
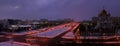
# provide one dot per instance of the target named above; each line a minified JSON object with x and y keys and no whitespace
{"x":105,"y":21}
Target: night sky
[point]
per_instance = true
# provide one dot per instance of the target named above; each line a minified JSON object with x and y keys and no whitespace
{"x":56,"y":9}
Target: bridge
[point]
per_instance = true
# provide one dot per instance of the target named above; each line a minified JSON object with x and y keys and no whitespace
{"x":45,"y":36}
{"x":65,"y":33}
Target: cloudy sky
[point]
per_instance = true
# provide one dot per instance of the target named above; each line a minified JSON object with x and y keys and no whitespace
{"x":56,"y":9}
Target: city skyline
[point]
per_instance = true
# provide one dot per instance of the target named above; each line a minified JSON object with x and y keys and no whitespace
{"x":56,"y":9}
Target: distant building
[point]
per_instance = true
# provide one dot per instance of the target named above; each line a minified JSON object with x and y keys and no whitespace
{"x":102,"y":25}
{"x":68,"y":20}
{"x":6,"y":23}
{"x":105,"y":21}
{"x":18,"y":28}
